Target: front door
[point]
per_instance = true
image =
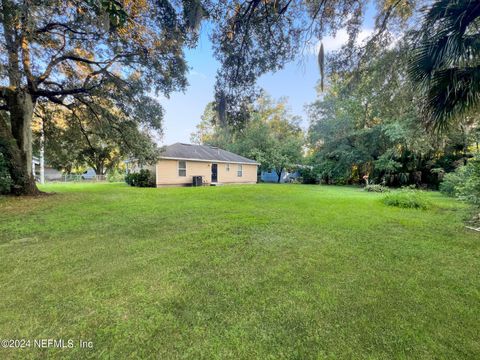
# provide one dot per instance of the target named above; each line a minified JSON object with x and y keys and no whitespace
{"x":214,"y":173}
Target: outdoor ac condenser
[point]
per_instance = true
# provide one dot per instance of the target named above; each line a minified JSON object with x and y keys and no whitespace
{"x":197,"y":181}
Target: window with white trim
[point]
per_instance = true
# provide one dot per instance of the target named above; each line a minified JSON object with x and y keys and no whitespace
{"x":240,"y":170}
{"x":227,"y":167}
{"x":182,"y":168}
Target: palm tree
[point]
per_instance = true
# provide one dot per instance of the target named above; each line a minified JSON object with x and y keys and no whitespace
{"x":445,"y":63}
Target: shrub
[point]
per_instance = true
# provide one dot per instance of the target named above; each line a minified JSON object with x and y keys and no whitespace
{"x":129,"y":178}
{"x":143,"y":178}
{"x":464,"y":183}
{"x":5,"y":180}
{"x":406,"y":198}
{"x":376,"y":188}
{"x":450,"y":182}
{"x":115,"y":176}
{"x":308,"y":176}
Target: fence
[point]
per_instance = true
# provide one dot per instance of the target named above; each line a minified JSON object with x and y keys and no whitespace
{"x":84,"y":178}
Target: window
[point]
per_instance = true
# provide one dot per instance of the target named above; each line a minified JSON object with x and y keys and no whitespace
{"x":227,"y":167}
{"x":182,"y":168}
{"x":239,"y":170}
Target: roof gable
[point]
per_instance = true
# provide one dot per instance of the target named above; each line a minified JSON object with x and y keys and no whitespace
{"x":203,"y":153}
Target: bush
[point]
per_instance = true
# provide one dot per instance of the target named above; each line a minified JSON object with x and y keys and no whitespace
{"x":406,"y":198}
{"x":5,"y":180}
{"x":464,"y":183}
{"x":115,"y":176}
{"x":308,"y":176}
{"x":143,"y":178}
{"x":450,"y":182}
{"x":129,"y":178}
{"x":376,"y":188}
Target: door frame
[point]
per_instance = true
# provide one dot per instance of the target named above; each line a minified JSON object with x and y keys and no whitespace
{"x":216,"y":173}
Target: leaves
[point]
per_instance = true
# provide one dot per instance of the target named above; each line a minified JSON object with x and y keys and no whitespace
{"x":272,"y":136}
{"x":252,"y":38}
{"x":445,"y":61}
{"x":373,"y":125}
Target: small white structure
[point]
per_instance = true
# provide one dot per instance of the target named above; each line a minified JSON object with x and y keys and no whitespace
{"x":49,"y":173}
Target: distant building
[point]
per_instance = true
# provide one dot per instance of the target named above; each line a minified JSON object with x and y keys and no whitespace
{"x":51,"y":174}
{"x":133,"y":166}
{"x":272,"y":176}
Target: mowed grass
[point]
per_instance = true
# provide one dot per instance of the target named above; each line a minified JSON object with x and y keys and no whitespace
{"x":237,"y":272}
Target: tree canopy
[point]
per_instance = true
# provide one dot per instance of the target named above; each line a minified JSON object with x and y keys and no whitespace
{"x":373,"y":126}
{"x":99,"y":136}
{"x":86,"y":54}
{"x":272,"y":136}
{"x":92,"y":56}
{"x":254,"y":37}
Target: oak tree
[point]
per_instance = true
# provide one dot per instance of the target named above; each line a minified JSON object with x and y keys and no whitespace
{"x":72,"y":52}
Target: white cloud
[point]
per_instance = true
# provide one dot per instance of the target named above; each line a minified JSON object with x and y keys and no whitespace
{"x":198,"y":73}
{"x":333,"y":43}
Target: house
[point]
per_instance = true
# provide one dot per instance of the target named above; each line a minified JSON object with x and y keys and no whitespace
{"x":133,"y":166}
{"x":285,"y":177}
{"x":179,"y":163}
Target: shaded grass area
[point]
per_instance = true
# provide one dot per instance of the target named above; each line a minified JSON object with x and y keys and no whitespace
{"x":240,"y":272}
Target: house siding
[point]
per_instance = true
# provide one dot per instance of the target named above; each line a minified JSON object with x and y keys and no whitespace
{"x":167,"y":173}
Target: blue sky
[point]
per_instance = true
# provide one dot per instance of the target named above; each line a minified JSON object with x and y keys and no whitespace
{"x":296,"y":82}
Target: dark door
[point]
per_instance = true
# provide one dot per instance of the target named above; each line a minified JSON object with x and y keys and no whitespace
{"x":214,"y":173}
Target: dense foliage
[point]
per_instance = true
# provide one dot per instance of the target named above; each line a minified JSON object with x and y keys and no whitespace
{"x":308,"y":175}
{"x":99,"y":137}
{"x":143,"y":178}
{"x":116,"y":176}
{"x":272,"y":136}
{"x":102,"y":60}
{"x":369,"y":123}
{"x":5,"y":180}
{"x":255,"y":37}
{"x":464,"y":183}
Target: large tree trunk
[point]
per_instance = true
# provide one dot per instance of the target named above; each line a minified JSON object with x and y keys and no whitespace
{"x":16,"y":133}
{"x":100,"y":169}
{"x":16,"y":143}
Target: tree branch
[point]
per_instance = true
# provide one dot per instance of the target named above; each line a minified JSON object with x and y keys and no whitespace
{"x":77,"y":58}
{"x":56,"y":25}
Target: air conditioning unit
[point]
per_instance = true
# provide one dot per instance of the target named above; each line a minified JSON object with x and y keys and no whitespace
{"x":197,"y":181}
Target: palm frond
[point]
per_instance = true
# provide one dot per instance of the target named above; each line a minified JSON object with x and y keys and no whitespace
{"x":445,"y":59}
{"x":452,"y":91}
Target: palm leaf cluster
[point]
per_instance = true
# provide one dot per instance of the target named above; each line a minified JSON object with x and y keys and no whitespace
{"x":445,"y":63}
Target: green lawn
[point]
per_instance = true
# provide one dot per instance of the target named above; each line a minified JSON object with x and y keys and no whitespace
{"x":238,"y":272}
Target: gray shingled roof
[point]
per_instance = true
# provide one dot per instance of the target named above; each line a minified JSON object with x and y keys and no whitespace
{"x":202,"y":152}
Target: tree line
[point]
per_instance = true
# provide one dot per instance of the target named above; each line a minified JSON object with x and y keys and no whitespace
{"x":407,"y":114}
{"x":87,"y":70}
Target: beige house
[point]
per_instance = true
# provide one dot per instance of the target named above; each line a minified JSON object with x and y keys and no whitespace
{"x":180,"y":163}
